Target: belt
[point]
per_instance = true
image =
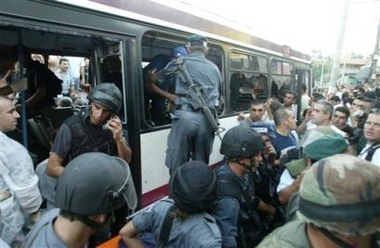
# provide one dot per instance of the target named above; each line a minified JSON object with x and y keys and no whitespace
{"x":187,"y":107}
{"x":4,"y":195}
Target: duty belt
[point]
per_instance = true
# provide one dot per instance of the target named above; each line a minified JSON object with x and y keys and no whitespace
{"x":4,"y":195}
{"x":187,"y":107}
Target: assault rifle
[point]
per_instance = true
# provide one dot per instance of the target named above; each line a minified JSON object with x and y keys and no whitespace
{"x":196,"y":99}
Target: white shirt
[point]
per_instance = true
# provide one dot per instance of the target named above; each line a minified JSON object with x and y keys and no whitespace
{"x":18,"y":178}
{"x":375,"y":158}
{"x":285,"y":180}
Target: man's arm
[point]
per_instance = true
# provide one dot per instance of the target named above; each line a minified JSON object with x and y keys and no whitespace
{"x":123,"y":149}
{"x":55,"y":165}
{"x":152,"y":85}
{"x":59,"y":151}
{"x":129,"y":235}
{"x":226,"y":214}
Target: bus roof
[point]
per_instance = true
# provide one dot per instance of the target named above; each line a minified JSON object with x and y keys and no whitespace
{"x":156,"y":13}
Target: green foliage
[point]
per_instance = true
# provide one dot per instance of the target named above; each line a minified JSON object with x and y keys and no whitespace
{"x":317,"y":65}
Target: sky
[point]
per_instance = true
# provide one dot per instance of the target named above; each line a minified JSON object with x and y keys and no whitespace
{"x":303,"y":25}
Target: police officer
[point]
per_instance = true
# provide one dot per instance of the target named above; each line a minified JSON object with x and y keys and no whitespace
{"x":236,"y":210}
{"x":100,"y":131}
{"x":90,"y":188}
{"x":192,"y":192}
{"x":339,"y":207}
{"x":191,"y":135}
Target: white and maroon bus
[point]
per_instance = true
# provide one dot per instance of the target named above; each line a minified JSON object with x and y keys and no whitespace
{"x":136,"y":31}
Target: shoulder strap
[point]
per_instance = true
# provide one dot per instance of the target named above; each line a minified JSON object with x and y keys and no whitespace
{"x":371,"y":150}
{"x":166,"y":228}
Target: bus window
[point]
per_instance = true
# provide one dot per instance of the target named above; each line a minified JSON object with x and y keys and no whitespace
{"x":156,"y":54}
{"x":249,"y":83}
{"x":244,"y":88}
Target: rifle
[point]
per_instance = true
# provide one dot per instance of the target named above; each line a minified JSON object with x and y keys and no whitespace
{"x":197,"y":101}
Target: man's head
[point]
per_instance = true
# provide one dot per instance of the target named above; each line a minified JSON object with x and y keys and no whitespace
{"x":105,"y":100}
{"x":290,"y":98}
{"x":367,"y":105}
{"x":178,"y":51}
{"x":321,"y":113}
{"x":63,"y":65}
{"x":94,"y":184}
{"x":193,"y":187}
{"x":334,"y":100}
{"x":372,"y":128}
{"x":341,"y":194}
{"x":357,"y":104}
{"x":8,"y":115}
{"x":285,"y":118}
{"x":340,"y":117}
{"x":256,"y":110}
{"x":325,"y":146}
{"x":242,"y":145}
{"x":198,"y":43}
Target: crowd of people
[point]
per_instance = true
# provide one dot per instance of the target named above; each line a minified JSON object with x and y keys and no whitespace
{"x":314,"y":182}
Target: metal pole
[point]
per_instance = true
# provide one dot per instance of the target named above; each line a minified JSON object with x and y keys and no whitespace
{"x":338,"y":49}
{"x":322,"y":71}
{"x":375,"y":58}
{"x":22,"y":93}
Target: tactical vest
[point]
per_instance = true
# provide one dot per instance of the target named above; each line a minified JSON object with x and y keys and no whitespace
{"x":83,"y":140}
{"x":249,"y":231}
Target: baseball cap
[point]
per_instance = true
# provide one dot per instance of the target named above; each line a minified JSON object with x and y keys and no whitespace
{"x":263,"y":128}
{"x":198,"y":40}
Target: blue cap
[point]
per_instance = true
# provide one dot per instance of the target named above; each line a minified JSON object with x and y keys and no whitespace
{"x":263,"y":128}
{"x":178,"y":51}
{"x":198,"y":40}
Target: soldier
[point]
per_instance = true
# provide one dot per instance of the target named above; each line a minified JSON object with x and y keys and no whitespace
{"x":192,"y":192}
{"x":191,"y":135}
{"x":339,"y":206}
{"x":91,"y":187}
{"x":236,"y":208}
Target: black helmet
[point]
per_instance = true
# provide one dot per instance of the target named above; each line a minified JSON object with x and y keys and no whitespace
{"x":95,"y":183}
{"x":107,"y":95}
{"x":193,"y":187}
{"x":241,"y":142}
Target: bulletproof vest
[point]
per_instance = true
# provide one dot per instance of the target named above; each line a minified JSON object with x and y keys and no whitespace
{"x":249,"y":230}
{"x":84,"y":140}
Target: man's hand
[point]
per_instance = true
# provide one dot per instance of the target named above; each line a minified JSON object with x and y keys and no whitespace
{"x":114,"y":124}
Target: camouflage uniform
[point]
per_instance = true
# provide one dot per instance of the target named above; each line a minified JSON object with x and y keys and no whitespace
{"x":339,"y":194}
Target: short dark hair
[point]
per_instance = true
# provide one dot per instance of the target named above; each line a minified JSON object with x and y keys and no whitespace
{"x":344,"y":110}
{"x":63,"y":60}
{"x":335,"y":99}
{"x":291,"y":93}
{"x":256,"y":102}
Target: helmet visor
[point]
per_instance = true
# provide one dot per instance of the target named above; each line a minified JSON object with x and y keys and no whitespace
{"x":127,"y":190}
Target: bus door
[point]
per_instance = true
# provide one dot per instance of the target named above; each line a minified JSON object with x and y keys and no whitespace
{"x":94,"y":57}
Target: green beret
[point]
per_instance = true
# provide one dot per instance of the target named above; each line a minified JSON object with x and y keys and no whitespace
{"x":326,"y":146}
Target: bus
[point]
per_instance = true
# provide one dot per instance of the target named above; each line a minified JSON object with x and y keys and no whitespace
{"x":136,"y":32}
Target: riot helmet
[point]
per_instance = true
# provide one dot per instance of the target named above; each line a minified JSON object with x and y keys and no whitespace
{"x":341,"y":194}
{"x":193,"y":187}
{"x":107,"y":95}
{"x":95,"y":183}
{"x":241,"y":142}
